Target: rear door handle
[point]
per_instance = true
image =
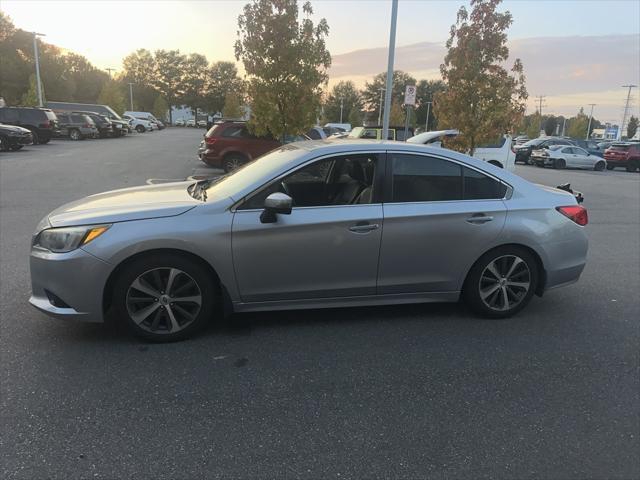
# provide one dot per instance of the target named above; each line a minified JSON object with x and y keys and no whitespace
{"x":479,"y":218}
{"x":363,"y":227}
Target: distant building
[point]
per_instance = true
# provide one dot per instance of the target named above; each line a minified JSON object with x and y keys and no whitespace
{"x":609,"y":132}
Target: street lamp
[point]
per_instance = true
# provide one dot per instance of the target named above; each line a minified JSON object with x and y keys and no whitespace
{"x":392,"y":48}
{"x":590,"y":117}
{"x":426,"y":123}
{"x":341,"y":107}
{"x":35,"y":54}
{"x":131,"y":95}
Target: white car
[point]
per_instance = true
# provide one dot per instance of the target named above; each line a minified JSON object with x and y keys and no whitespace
{"x":501,"y":155}
{"x":138,"y":124}
{"x":179,"y":123}
{"x":202,"y":124}
{"x":191,"y":123}
{"x":567,"y":156}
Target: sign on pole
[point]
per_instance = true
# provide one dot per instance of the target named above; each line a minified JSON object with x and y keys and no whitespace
{"x":410,"y":95}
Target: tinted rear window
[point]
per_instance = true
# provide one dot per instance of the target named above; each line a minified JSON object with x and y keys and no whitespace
{"x":236,"y":131}
{"x":31,"y":115}
{"x":620,"y":148}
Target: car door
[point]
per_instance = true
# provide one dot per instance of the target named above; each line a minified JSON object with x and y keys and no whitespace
{"x":327,"y":247}
{"x":583,"y":160}
{"x":439,"y":218}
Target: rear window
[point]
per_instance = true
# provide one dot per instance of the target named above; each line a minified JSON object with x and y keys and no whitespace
{"x":32,"y":115}
{"x":236,"y":131}
{"x":620,"y":148}
{"x":50,"y":115}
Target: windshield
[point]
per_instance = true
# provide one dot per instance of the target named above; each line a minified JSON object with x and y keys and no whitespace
{"x":112,"y":114}
{"x":262,"y":169}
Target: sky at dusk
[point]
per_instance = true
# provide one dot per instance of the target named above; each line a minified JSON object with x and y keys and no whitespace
{"x":574,"y":52}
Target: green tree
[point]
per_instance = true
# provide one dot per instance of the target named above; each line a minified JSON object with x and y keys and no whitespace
{"x":371,"y":93}
{"x":167,"y":76}
{"x":139,"y":68}
{"x":111,"y":95}
{"x":193,"y":81}
{"x":355,"y":118}
{"x":160,"y":108}
{"x":286,"y":61}
{"x":426,"y":91}
{"x":30,"y":98}
{"x":482,"y":99}
{"x":222,"y":78}
{"x":577,"y":126}
{"x":396,"y":115}
{"x":233,"y":106}
{"x":345,"y":94}
{"x":550,"y":125}
{"x":632,"y":126}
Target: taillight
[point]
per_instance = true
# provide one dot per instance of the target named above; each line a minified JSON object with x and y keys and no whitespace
{"x":210,"y":140}
{"x":46,"y":124}
{"x":87,"y":125}
{"x":577,"y":213}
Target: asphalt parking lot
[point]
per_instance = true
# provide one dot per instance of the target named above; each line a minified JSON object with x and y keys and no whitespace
{"x":414,"y":391}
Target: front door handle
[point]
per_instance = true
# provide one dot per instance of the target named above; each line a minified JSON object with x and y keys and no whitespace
{"x":363,"y":227}
{"x":479,"y":218}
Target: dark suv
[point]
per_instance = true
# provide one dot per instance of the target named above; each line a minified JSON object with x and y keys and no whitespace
{"x":103,"y":123}
{"x":523,"y":152}
{"x":42,"y":122}
{"x":229,"y":144}
{"x":623,"y":155}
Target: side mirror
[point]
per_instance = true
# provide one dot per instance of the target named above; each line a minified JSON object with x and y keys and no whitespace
{"x":276,"y":203}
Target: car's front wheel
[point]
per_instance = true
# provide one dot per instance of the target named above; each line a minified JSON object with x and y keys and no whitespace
{"x":75,"y":134}
{"x":559,"y":163}
{"x":599,"y":167}
{"x":501,"y":282}
{"x":140,"y":129}
{"x":233,"y":162}
{"x":165,"y":297}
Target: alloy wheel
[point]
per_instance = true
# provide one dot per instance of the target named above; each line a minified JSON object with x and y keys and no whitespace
{"x":504,"y":283}
{"x":164,"y":300}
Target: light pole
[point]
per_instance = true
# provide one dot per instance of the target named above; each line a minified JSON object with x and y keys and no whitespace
{"x":392,"y":48}
{"x":626,"y":110}
{"x":380,"y":109}
{"x":590,"y":117}
{"x":426,"y":123}
{"x":131,"y":95}
{"x":35,"y":55}
{"x":341,"y":107}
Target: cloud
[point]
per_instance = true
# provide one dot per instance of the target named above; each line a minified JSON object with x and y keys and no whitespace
{"x":570,"y":71}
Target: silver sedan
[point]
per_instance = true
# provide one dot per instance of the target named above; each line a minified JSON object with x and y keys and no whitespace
{"x":567,"y":156}
{"x":312,"y":224}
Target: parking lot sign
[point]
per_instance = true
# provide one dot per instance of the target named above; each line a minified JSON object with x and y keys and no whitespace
{"x":410,"y":95}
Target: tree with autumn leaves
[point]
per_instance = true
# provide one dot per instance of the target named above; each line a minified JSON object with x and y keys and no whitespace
{"x":483,"y":99}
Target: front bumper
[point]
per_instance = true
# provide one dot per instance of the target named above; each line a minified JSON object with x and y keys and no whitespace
{"x":68,"y":285}
{"x":15,"y":140}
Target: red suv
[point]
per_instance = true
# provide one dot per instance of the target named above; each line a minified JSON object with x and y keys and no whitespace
{"x":623,"y":155}
{"x":228,"y":145}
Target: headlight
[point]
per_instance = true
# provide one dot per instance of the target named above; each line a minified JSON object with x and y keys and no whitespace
{"x":66,"y":239}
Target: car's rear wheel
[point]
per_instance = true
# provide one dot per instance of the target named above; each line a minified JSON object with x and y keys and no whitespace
{"x":501,"y":282}
{"x":599,"y":167}
{"x":559,"y":163}
{"x":633,"y":165}
{"x":140,"y":129}
{"x":233,"y":162}
{"x":165,"y":297}
{"x":3,"y":145}
{"x":44,"y":141}
{"x":75,"y":134}
{"x":15,"y":148}
{"x":610,"y":167}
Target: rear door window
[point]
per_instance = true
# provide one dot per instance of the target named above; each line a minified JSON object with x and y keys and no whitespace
{"x":418,"y":178}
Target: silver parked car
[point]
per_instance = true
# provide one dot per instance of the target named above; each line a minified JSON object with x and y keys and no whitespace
{"x":311,"y":224}
{"x":567,"y":156}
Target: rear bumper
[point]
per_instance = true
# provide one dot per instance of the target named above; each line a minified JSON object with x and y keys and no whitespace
{"x":565,"y":260}
{"x":68,"y":285}
{"x":210,"y":158}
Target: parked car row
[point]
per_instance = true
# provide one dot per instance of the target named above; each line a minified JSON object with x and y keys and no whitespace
{"x":190,"y":123}
{"x":561,"y":153}
{"x":20,"y":126}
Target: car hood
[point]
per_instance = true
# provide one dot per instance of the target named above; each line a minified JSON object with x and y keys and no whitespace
{"x":137,"y":203}
{"x":13,"y":128}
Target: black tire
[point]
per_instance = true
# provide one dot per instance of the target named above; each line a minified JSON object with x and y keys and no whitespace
{"x":74,"y":134}
{"x":4,"y":147}
{"x":477,"y":278}
{"x":15,"y":148}
{"x":599,"y":166}
{"x":44,"y":141}
{"x":191,"y":271}
{"x":610,"y":167}
{"x":232,"y":162}
{"x":140,"y":129}
{"x":559,"y":163}
{"x":632,"y":166}
{"x":35,"y":136}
